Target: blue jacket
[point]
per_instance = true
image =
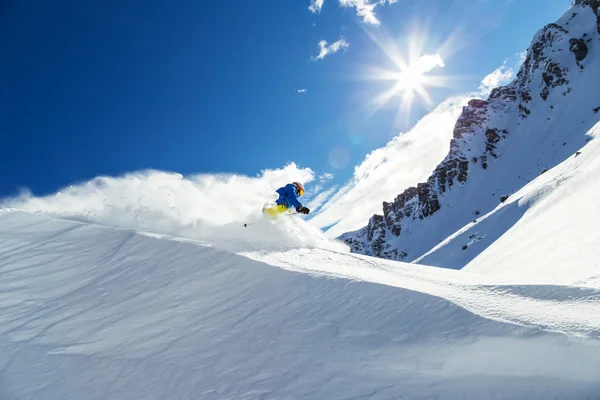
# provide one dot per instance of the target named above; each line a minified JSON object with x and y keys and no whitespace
{"x":288,"y":196}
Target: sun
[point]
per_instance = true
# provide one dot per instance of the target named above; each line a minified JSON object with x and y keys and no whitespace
{"x":411,"y":76}
{"x":411,"y":79}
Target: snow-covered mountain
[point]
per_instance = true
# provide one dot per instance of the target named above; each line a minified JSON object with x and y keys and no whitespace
{"x":547,"y":232}
{"x":500,"y":145}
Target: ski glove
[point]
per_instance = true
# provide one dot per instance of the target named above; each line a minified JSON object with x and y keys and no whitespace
{"x":302,"y":210}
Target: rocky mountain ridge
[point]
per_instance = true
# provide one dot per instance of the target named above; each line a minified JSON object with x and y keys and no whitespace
{"x":556,"y":69}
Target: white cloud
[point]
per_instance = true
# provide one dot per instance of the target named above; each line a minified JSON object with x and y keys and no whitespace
{"x":428,"y":62}
{"x":300,"y":90}
{"x":406,"y":160}
{"x":316,"y":6}
{"x":366,"y":9}
{"x":316,"y":190}
{"x":321,"y":197}
{"x":325,"y":49}
{"x":499,"y":77}
{"x":326,"y":176}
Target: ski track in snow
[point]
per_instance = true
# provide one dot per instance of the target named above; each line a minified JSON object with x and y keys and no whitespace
{"x":96,"y":312}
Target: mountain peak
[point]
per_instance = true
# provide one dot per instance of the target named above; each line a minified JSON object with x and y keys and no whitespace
{"x":499,"y":144}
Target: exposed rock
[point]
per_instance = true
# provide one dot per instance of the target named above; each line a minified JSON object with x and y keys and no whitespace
{"x":596,"y":109}
{"x":554,"y":75}
{"x":452,"y":168}
{"x":376,"y":233}
{"x":473,"y":114}
{"x":523,"y":111}
{"x":416,"y":202}
{"x":493,"y":136}
{"x":535,"y":56}
{"x":506,"y":93}
{"x":525,"y":95}
{"x":579,"y":48}
{"x":477,"y":103}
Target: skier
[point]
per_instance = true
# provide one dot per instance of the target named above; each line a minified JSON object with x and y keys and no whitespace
{"x":288,"y":198}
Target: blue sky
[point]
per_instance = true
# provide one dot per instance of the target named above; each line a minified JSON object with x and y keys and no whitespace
{"x":90,"y":89}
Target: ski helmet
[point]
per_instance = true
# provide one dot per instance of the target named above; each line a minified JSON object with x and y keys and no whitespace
{"x":299,"y":188}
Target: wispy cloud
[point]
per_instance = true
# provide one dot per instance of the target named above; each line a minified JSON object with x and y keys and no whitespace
{"x":499,"y":77}
{"x":366,"y":9}
{"x":300,"y":91}
{"x":503,"y":74}
{"x":323,"y":195}
{"x":317,"y":189}
{"x":316,"y":5}
{"x":325,"y":177}
{"x":326,"y":49}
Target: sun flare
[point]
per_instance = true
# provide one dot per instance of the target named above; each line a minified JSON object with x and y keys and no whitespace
{"x":409,"y":80}
{"x":410,"y":77}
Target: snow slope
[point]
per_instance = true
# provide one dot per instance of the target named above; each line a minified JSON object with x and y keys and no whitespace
{"x":96,"y":312}
{"x":546,"y":232}
{"x":500,"y":145}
